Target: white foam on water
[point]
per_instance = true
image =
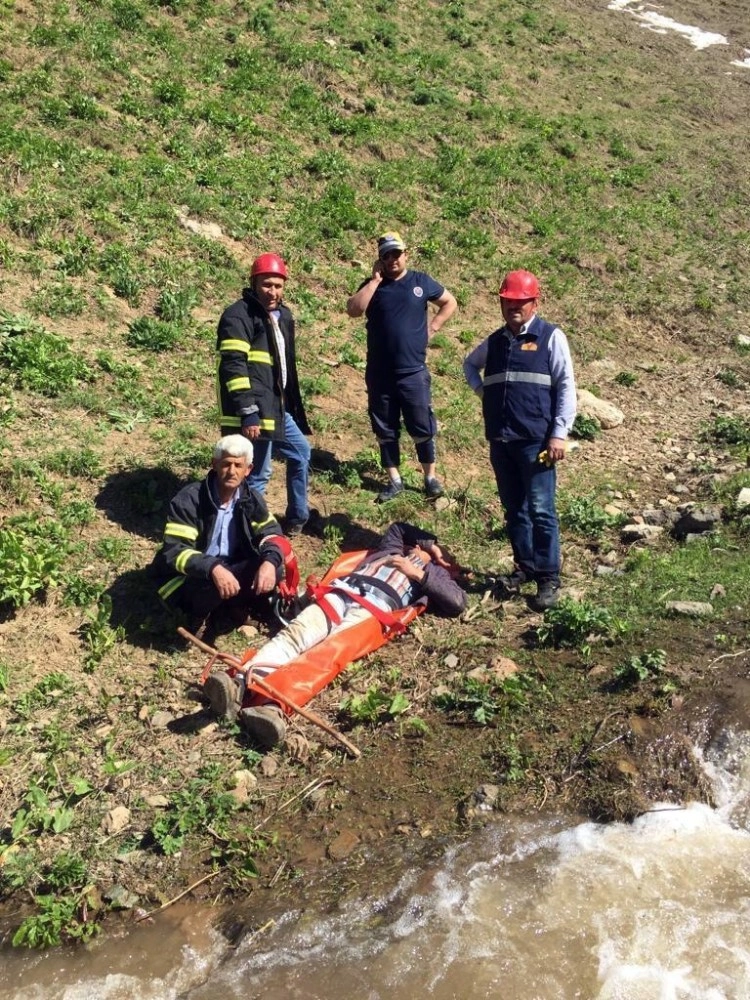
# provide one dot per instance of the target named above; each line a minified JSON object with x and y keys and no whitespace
{"x":650,"y":18}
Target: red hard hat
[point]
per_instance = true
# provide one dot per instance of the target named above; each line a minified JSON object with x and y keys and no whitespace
{"x":269,"y":263}
{"x":519,"y":285}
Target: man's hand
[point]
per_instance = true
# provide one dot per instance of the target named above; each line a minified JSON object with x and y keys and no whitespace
{"x":225,"y":582}
{"x":556,"y":449}
{"x":252,"y":432}
{"x":407,"y":567}
{"x":265,"y":579}
{"x":377,"y":270}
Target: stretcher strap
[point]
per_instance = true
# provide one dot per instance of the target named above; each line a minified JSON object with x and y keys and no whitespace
{"x":289,"y":585}
{"x":389,"y":621}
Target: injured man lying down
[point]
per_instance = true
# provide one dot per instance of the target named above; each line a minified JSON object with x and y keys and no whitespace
{"x":365,"y":599}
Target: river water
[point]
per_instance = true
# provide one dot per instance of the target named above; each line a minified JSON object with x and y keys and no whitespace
{"x":526,"y":910}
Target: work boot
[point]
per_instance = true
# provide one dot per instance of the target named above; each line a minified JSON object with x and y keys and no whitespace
{"x":293,"y":529}
{"x":265,"y":724}
{"x":547,"y":594}
{"x":390,"y":492}
{"x":223,"y":694}
{"x":510,"y":584}
{"x":433,"y":488}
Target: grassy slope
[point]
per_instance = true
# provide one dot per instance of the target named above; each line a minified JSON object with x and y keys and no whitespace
{"x":562,"y":138}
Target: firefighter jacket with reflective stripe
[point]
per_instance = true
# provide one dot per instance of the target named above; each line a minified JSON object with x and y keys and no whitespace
{"x":519,"y":398}
{"x":190,"y":523}
{"x":249,"y":380}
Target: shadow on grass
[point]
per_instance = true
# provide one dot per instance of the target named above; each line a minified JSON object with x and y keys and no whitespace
{"x":138,"y":499}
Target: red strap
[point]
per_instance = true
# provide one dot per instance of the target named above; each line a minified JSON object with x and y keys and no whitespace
{"x":290,"y":584}
{"x":387,"y":619}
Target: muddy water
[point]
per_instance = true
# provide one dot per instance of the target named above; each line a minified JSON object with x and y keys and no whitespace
{"x":525,"y":910}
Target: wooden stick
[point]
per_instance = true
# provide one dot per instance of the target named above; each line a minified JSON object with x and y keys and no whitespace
{"x":254,"y":681}
{"x":169,"y":902}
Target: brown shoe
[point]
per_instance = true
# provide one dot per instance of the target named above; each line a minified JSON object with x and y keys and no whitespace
{"x":265,"y":723}
{"x":223,"y":694}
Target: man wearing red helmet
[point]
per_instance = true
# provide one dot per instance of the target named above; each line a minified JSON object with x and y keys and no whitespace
{"x":395,"y":301}
{"x":529,"y":404}
{"x":258,"y":386}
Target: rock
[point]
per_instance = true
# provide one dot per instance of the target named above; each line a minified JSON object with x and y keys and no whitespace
{"x":316,"y":800}
{"x":481,"y":802}
{"x":606,"y":413}
{"x":696,"y":520}
{"x":156,"y":801}
{"x":692,"y":609}
{"x":343,"y":845}
{"x":245,"y":779}
{"x":208,"y":229}
{"x":143,"y":713}
{"x":742,"y":340}
{"x":743,"y":498}
{"x":121,"y":898}
{"x":269,"y":766}
{"x":613,"y":510}
{"x":502,"y":667}
{"x":607,"y":571}
{"x":445,"y":503}
{"x":717,"y":591}
{"x":297,"y":747}
{"x":115,"y":820}
{"x":160,"y":720}
{"x":451,"y":661}
{"x":648,"y":533}
{"x":440,"y":690}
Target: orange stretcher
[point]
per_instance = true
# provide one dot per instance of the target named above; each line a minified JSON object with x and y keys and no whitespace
{"x":301,"y":679}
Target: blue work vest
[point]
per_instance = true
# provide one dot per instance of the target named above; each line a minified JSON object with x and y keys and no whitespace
{"x":519,"y":400}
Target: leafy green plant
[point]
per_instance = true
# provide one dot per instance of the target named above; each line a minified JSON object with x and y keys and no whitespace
{"x":374,"y":706}
{"x":574,"y":624}
{"x":584,"y":515}
{"x":40,"y":361}
{"x":643,"y":667}
{"x":81,"y":591}
{"x":728,"y":430}
{"x":195,"y":807}
{"x":98,"y":635}
{"x":45,"y":692}
{"x":5,"y":673}
{"x":627,"y":379}
{"x":152,"y":334}
{"x":176,"y":305}
{"x":29,"y":561}
{"x":58,"y":918}
{"x":481,"y":700}
{"x":586,"y":428}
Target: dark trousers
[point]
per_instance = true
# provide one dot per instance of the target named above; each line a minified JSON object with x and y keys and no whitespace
{"x":198,"y":598}
{"x":407,"y":397}
{"x":527,"y":492}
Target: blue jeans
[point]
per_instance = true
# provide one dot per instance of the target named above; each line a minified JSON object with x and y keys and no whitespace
{"x":527,"y":492}
{"x":295,"y":448}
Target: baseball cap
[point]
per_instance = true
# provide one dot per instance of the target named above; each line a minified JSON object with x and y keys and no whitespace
{"x":390,"y":241}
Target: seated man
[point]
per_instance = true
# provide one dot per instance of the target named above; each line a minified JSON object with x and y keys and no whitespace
{"x":222,"y":549}
{"x":407,"y":568}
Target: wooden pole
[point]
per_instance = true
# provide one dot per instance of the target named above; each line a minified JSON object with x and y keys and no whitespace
{"x":267,"y":689}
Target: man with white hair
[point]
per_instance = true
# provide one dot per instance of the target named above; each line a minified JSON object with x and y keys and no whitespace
{"x":222,"y":548}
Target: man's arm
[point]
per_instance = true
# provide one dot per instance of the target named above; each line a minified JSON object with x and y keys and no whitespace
{"x":447,"y":305}
{"x":181,"y":534}
{"x":474,"y":365}
{"x":563,"y":379}
{"x":233,"y":345}
{"x":358,"y":303}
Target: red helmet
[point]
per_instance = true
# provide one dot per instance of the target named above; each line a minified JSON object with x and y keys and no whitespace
{"x":269,"y":263}
{"x":519,"y":285}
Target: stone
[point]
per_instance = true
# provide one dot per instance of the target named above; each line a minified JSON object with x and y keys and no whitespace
{"x":343,"y":845}
{"x":208,"y":229}
{"x":502,"y":667}
{"x":648,"y":533}
{"x":160,"y":720}
{"x":743,"y":498}
{"x":606,"y":413}
{"x":269,"y":766}
{"x":742,"y":340}
{"x":245,"y":779}
{"x":697,"y":520}
{"x":115,"y":820}
{"x":297,"y":747}
{"x":450,"y":661}
{"x":157,"y":801}
{"x":121,"y":898}
{"x":690,"y":609}
{"x":717,"y":591}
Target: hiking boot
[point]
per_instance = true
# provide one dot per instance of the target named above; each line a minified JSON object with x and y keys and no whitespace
{"x":391,"y":491}
{"x":223,"y":694}
{"x":433,"y":488}
{"x":547,"y":594}
{"x":265,"y":723}
{"x":293,"y":529}
{"x":510,"y":585}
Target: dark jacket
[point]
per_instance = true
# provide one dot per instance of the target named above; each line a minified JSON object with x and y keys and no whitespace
{"x":439,"y":591}
{"x":249,"y":383}
{"x":190,"y":522}
{"x":519,"y":399}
